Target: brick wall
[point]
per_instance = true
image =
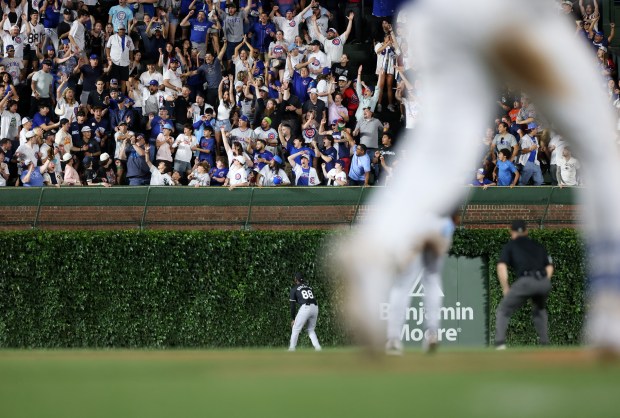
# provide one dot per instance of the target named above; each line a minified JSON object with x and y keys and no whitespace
{"x":256,"y":217}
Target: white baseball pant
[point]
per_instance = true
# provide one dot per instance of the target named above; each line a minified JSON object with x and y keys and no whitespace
{"x":306,"y":315}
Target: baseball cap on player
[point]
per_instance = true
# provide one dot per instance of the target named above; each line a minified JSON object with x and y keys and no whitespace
{"x":299,"y":277}
{"x":532,"y":125}
{"x":480,"y":172}
{"x":340,"y":163}
{"x":153,"y":83}
{"x":315,"y":42}
{"x":168,"y":126}
{"x":240,"y":159}
{"x":518,"y":225}
{"x":244,"y":118}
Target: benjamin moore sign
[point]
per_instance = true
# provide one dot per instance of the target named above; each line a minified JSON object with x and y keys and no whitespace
{"x":464,"y":312}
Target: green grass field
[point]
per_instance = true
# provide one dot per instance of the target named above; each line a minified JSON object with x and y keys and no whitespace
{"x":334,"y":383}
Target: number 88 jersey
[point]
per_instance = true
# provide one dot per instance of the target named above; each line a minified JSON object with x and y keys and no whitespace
{"x":303,"y":295}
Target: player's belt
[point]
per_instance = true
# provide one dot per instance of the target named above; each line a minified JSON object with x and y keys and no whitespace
{"x":537,"y":274}
{"x":309,"y":303}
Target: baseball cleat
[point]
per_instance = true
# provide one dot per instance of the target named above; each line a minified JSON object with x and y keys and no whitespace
{"x":602,"y":331}
{"x":367,"y":280}
{"x":394,"y":347}
{"x":430,"y":344}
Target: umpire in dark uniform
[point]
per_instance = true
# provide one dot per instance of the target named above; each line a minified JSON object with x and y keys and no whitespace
{"x":534,"y":268}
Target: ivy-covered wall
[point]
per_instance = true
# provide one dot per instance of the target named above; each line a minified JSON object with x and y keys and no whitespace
{"x":213,"y":289}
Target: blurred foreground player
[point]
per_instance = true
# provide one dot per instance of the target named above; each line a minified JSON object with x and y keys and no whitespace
{"x":483,"y":43}
{"x":302,"y":295}
{"x":428,"y":266}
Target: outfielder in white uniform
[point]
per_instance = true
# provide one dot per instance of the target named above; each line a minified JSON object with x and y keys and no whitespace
{"x":302,"y":295}
{"x":480,"y":44}
{"x":427,"y":266}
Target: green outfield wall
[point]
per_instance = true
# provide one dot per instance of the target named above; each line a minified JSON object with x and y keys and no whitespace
{"x":269,"y":208}
{"x":167,"y":289}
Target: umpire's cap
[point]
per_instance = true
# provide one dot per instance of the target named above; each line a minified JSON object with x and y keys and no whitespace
{"x":519,"y":225}
{"x":299,"y":277}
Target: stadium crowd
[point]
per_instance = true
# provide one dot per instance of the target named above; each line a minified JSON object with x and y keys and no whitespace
{"x":215,"y":93}
{"x":522,"y":147}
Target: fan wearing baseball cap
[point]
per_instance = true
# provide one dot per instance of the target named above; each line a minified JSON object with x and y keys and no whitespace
{"x":237,"y":174}
{"x":272,"y":174}
{"x":288,"y":22}
{"x":91,"y":72}
{"x":316,"y":59}
{"x":119,"y":51}
{"x":529,"y":157}
{"x":332,"y":43}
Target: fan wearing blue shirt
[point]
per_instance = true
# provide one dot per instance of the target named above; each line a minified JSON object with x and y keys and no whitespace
{"x":298,"y":146}
{"x":505,"y":169}
{"x":206,"y":146}
{"x":219,"y":172}
{"x":199,"y":30}
{"x":359,"y":173}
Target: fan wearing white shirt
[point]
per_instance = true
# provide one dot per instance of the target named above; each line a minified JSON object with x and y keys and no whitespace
{"x":151,"y":73}
{"x":119,"y":50}
{"x":172,"y":81}
{"x":159,"y":176}
{"x":567,"y":169}
{"x":289,"y":25}
{"x":185,"y":144}
{"x":77,"y":33}
{"x":332,"y":43}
